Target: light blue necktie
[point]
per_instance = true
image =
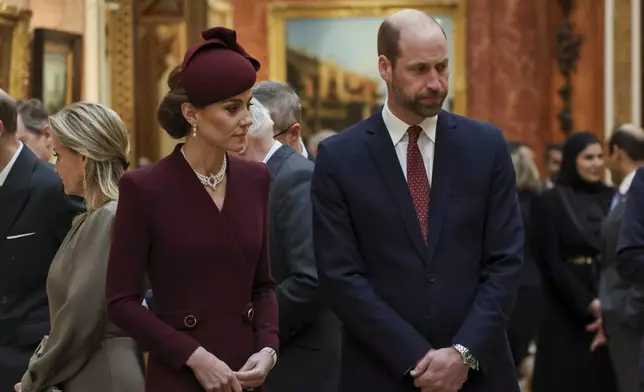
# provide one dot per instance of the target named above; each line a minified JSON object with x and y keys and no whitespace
{"x":615,"y":202}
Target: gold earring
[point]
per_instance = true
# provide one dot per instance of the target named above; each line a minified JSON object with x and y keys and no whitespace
{"x":194,"y":130}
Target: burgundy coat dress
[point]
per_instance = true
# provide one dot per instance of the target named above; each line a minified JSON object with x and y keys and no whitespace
{"x":208,"y":268}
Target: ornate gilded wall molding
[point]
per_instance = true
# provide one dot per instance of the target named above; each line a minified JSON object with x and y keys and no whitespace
{"x":568,"y":45}
{"x":17,"y":72}
{"x":120,"y":37}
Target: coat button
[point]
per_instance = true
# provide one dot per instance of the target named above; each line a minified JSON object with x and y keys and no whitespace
{"x":190,"y":321}
{"x":431,"y":279}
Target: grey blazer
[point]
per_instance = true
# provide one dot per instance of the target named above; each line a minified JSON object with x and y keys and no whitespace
{"x":309,"y":333}
{"x":84,"y":350}
{"x":623,"y":300}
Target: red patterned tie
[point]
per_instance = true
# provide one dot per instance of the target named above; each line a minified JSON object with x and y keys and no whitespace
{"x":417,"y":179}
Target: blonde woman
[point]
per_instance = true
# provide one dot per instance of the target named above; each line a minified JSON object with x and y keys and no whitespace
{"x":84,"y":351}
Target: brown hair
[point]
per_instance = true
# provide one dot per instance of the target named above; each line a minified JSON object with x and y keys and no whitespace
{"x":33,"y":115}
{"x":169,"y":113}
{"x":388,"y":37}
{"x":8,"y":114}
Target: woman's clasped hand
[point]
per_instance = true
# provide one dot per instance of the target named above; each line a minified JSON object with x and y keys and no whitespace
{"x":215,"y":376}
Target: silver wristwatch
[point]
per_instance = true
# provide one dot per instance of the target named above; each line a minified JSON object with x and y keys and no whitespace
{"x":468,"y":358}
{"x":272,"y":353}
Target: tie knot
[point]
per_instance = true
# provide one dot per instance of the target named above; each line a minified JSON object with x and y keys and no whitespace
{"x":414,"y":133}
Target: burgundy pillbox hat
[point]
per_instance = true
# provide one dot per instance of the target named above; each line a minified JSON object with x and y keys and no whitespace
{"x":217,"y":68}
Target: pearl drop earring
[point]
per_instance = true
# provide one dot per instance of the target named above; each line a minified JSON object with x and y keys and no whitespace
{"x":194,"y":130}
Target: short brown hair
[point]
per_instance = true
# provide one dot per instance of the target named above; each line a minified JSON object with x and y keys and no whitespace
{"x":388,"y":37}
{"x":8,"y":114}
{"x":33,"y":115}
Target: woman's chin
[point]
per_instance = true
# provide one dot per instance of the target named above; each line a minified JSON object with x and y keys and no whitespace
{"x":237,"y":148}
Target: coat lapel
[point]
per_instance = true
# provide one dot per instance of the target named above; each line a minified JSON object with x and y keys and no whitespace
{"x":384,"y":155}
{"x":15,"y":191}
{"x":275,"y":162}
{"x":442,"y":178}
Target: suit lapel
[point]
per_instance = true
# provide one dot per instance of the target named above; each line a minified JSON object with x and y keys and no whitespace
{"x":275,"y":162}
{"x":384,"y":155}
{"x":15,"y":191}
{"x":443,"y":175}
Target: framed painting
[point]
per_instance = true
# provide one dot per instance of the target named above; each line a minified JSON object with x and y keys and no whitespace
{"x":327,"y":51}
{"x":14,"y":53}
{"x":56,"y":72}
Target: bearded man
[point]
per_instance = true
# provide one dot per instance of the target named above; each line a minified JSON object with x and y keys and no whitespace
{"x":417,"y":231}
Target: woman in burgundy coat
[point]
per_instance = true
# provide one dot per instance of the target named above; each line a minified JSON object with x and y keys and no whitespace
{"x":195,"y":224}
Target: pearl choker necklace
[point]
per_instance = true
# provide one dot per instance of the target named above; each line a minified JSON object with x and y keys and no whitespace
{"x":213,"y":180}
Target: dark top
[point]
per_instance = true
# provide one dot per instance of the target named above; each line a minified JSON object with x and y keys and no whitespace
{"x":35,"y":216}
{"x":563,"y":237}
{"x":209,"y":268}
{"x":530,"y":275}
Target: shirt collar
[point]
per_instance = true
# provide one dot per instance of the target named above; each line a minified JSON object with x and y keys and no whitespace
{"x":626,"y":182}
{"x":276,"y":146}
{"x":304,"y":152}
{"x":5,"y":172}
{"x":398,"y":128}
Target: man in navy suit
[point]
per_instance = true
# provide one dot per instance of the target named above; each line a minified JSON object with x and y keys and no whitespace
{"x":630,"y":246}
{"x":424,"y":288}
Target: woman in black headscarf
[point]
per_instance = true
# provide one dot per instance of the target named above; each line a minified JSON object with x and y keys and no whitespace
{"x":566,"y":222}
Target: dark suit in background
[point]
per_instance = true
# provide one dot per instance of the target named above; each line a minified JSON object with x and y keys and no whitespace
{"x":524,"y":323}
{"x":396,"y":297}
{"x":630,"y":245}
{"x":309,"y":333}
{"x":35,"y":216}
{"x":622,"y":305}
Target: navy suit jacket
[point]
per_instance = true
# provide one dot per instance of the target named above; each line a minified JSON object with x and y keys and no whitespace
{"x":630,"y":246}
{"x":396,"y":297}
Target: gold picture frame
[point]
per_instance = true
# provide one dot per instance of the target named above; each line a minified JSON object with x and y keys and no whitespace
{"x":453,"y":12}
{"x":14,"y":50}
{"x":56,"y":68}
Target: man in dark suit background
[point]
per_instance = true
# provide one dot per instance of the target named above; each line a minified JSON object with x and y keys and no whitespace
{"x":630,"y":245}
{"x":423,"y":288}
{"x":309,"y":332}
{"x":35,"y":216}
{"x":622,"y":303}
{"x":286,"y":111}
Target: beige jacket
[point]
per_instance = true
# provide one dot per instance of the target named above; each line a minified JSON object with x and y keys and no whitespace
{"x":84,"y":351}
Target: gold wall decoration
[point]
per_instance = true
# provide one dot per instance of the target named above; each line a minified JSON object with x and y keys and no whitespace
{"x":14,"y":50}
{"x":339,"y":85}
{"x":220,"y":13}
{"x":120,"y":31}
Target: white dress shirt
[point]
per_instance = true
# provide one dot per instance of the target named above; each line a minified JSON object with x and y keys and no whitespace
{"x":305,"y":153}
{"x":626,"y":182}
{"x":276,"y":146}
{"x":5,"y":172}
{"x":426,"y":142}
